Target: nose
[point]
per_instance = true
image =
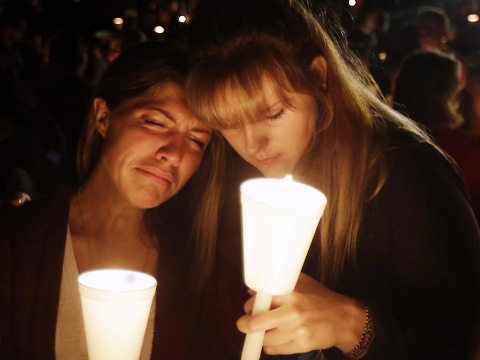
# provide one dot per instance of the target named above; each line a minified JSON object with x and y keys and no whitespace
{"x":171,"y":151}
{"x":255,"y":139}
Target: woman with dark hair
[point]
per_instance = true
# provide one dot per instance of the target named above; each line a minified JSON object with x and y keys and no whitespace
{"x":393,"y":270}
{"x":139,"y":147}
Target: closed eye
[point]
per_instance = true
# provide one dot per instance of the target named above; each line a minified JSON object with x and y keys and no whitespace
{"x":200,"y":143}
{"x":154,"y":123}
{"x":276,"y":116}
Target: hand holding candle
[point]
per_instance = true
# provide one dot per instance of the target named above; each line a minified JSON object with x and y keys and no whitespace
{"x":279,"y":220}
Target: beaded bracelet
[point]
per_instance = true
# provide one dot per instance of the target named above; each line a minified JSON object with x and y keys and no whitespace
{"x":367,"y":337}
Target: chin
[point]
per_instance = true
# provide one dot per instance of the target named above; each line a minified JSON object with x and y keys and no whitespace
{"x":272,"y":173}
{"x":149,"y":200}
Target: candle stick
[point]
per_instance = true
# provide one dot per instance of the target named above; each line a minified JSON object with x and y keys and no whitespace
{"x":252,"y":348}
{"x":279,"y":220}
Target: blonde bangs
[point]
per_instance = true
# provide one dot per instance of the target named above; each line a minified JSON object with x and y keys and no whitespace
{"x":235,"y":97}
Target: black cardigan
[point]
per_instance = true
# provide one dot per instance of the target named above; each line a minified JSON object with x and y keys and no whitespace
{"x":417,"y":264}
{"x":32,"y":245}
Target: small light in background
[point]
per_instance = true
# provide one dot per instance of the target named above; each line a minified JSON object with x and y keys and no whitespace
{"x":382,"y":56}
{"x":473,"y":18}
{"x":352,"y":2}
{"x":182,"y":18}
{"x":118,"y":23}
{"x":159,"y":29}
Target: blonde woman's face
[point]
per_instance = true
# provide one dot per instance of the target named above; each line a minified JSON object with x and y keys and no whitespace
{"x":275,"y":143}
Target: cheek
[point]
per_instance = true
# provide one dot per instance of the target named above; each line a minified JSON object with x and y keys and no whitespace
{"x":190,"y":166}
{"x":234,"y":139}
{"x":308,"y":129}
{"x":109,"y":150}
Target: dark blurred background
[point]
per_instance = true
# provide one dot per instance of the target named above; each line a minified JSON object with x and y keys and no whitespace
{"x":53,"y":52}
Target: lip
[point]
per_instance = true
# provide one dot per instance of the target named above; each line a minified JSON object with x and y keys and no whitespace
{"x":269,"y":160}
{"x":157,"y":175}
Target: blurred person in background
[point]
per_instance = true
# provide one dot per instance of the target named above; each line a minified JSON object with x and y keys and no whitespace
{"x":429,"y":89}
{"x":467,"y":151}
{"x":433,"y":26}
{"x":33,"y":157}
{"x":64,"y":89}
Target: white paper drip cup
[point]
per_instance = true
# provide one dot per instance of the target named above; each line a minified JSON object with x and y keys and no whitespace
{"x":116,"y":305}
{"x":279,"y":219}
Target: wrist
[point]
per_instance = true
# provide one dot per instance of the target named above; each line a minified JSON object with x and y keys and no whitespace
{"x":351,"y":326}
{"x":366,"y":338}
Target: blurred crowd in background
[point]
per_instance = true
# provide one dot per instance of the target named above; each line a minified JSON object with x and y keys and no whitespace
{"x":53,"y":53}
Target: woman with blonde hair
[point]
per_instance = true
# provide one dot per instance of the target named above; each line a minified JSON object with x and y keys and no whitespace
{"x":393,"y":270}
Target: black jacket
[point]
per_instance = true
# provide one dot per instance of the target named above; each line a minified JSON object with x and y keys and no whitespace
{"x":32,"y":245}
{"x":417,"y":264}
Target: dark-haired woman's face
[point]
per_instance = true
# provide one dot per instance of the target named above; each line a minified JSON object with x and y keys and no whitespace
{"x":152,"y":145}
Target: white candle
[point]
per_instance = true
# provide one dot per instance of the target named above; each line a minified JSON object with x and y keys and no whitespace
{"x":115,"y":305}
{"x":279,"y":220}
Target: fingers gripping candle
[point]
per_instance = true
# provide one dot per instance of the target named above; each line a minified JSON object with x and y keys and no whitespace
{"x":279,"y":220}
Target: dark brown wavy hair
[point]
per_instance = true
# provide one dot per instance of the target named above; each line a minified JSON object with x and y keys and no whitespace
{"x":130,"y":75}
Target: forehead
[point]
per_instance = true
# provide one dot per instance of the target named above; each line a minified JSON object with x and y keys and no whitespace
{"x":164,"y":93}
{"x":430,"y":21}
{"x":247,"y":104}
{"x":272,"y":91}
{"x":168,"y":99}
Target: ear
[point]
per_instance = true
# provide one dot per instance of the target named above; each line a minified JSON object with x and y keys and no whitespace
{"x":102,"y":115}
{"x":319,"y":69}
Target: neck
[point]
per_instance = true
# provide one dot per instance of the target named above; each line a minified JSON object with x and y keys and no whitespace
{"x":109,"y":216}
{"x":106,"y":234}
{"x":108,"y":229}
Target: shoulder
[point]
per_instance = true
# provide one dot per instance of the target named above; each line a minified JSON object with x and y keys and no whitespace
{"x":425,"y":199}
{"x":45,"y":211}
{"x":426,"y":211}
{"x":404,"y":144}
{"x":413,"y":160}
{"x":424,"y":195}
{"x":33,"y":235}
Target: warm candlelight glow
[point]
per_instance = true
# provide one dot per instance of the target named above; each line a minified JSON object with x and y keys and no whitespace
{"x":159,"y":29}
{"x":284,"y":194}
{"x":382,"y":55}
{"x":118,"y":21}
{"x":279,"y":219}
{"x":115,"y":306}
{"x":472,"y":18}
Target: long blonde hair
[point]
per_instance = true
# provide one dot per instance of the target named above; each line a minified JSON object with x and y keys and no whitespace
{"x":237,"y":44}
